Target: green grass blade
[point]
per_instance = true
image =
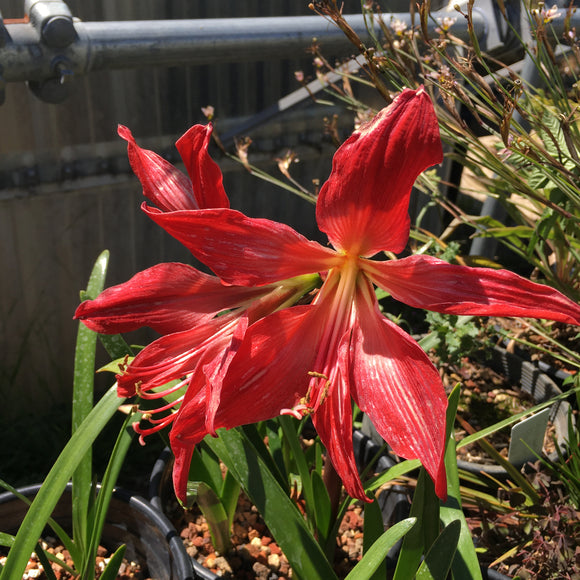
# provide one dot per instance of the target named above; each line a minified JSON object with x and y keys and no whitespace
{"x":280,"y":514}
{"x":82,"y":404}
{"x":214,"y":512}
{"x":112,"y":570}
{"x":376,"y":554}
{"x":292,"y":439}
{"x":465,"y":564}
{"x":120,"y":450}
{"x":55,"y":483}
{"x":438,"y":560}
{"x":373,"y":530}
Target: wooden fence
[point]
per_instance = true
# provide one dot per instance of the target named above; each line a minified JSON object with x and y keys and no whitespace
{"x":54,"y":220}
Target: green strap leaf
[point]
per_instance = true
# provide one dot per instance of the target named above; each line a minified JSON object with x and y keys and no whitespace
{"x":229,"y":495}
{"x":83,"y":394}
{"x":112,"y":570}
{"x":60,"y":533}
{"x":394,"y":472}
{"x":103,"y":500}
{"x":373,"y":530}
{"x":376,"y":554}
{"x":292,"y":439}
{"x":438,"y":560}
{"x":465,"y":563}
{"x":46,"y":558}
{"x":323,"y":511}
{"x":214,"y":512}
{"x":116,"y":347}
{"x":205,"y":466}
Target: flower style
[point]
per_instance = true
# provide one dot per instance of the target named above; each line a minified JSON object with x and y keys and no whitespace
{"x":314,"y":358}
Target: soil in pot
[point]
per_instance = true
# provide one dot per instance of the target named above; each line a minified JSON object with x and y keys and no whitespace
{"x":34,"y":570}
{"x":256,"y":555}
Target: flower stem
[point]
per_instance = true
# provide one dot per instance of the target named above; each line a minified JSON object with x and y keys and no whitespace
{"x":333,"y":485}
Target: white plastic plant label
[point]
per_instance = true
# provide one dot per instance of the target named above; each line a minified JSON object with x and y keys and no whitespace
{"x":528,"y":438}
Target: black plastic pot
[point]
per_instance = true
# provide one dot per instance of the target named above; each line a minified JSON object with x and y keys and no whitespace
{"x":150,"y":538}
{"x":559,"y":376}
{"x":394,"y":502}
{"x":162,"y":498}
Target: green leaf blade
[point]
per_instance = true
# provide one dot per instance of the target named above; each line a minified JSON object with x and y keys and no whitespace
{"x":373,"y":530}
{"x":83,"y":395}
{"x":112,"y":570}
{"x":376,"y":554}
{"x":438,"y":560}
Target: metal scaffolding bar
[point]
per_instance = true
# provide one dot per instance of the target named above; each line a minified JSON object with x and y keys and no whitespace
{"x":53,"y":46}
{"x":37,"y":52}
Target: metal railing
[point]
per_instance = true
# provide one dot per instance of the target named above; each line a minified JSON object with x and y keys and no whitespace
{"x":50,"y":47}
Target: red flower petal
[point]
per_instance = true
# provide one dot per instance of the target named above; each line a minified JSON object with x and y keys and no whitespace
{"x":430,"y":283}
{"x":163,"y":184}
{"x":363,"y":207}
{"x":183,"y":454}
{"x":169,"y":297}
{"x":205,"y":174}
{"x":333,"y":422}
{"x":394,"y":382}
{"x":182,"y":449}
{"x":253,"y":389}
{"x":175,"y":355}
{"x":242,"y":250}
{"x":216,"y":370}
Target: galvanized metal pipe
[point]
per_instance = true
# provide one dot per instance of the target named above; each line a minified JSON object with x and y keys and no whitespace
{"x":132,"y":44}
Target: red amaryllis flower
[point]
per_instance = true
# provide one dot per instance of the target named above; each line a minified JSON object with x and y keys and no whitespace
{"x":314,"y":358}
